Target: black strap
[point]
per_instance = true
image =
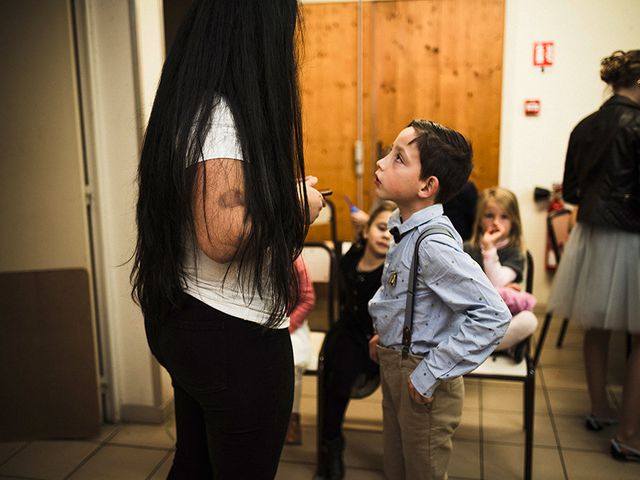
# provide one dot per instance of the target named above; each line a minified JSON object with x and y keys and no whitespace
{"x":408,"y":312}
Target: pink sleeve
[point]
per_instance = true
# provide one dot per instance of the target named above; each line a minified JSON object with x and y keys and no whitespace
{"x":498,"y":275}
{"x":517,"y":301}
{"x":306,"y":296}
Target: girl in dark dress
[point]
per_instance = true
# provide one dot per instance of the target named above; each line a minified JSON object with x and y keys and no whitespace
{"x":346,"y":353}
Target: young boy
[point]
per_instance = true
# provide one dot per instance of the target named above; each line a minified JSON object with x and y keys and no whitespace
{"x":458,"y":317}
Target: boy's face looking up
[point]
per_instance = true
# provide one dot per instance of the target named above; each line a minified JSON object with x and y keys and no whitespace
{"x":398,"y":174}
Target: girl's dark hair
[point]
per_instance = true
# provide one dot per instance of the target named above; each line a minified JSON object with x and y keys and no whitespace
{"x":444,"y":153}
{"x":621,"y":69}
{"x":382,"y":206}
{"x":378,"y":208}
{"x":245,"y":52}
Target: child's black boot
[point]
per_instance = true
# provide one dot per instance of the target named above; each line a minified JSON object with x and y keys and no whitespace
{"x":332,"y":467}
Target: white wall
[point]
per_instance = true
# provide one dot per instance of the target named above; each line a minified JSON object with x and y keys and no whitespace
{"x":115,"y":152}
{"x":532,"y":149}
{"x":150,"y":47}
{"x":149,"y":26}
{"x":124,"y":51}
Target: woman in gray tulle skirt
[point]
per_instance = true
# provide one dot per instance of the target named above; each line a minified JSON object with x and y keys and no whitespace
{"x":598,"y":280}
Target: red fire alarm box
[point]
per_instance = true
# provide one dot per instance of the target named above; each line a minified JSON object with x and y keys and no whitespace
{"x":543,"y":54}
{"x":531,"y":108}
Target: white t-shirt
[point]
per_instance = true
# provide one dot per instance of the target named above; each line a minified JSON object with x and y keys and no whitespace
{"x":203,"y":276}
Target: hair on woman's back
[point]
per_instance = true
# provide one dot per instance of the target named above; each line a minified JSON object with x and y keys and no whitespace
{"x":245,"y":52}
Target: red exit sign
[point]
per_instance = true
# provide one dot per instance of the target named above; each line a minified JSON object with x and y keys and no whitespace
{"x":543,"y":53}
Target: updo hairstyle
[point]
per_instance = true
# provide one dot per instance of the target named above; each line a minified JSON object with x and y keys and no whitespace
{"x":621,"y":69}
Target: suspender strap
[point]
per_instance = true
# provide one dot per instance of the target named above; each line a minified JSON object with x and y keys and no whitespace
{"x":408,"y":312}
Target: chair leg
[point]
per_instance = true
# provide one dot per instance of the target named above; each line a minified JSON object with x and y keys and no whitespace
{"x":529,"y":417}
{"x":629,"y":345}
{"x":319,"y":413}
{"x":563,"y":331}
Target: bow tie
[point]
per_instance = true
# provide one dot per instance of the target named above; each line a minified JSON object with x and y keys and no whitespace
{"x":397,"y":236}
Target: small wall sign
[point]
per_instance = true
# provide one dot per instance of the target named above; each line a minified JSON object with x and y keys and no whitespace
{"x":543,"y":54}
{"x":532,"y":107}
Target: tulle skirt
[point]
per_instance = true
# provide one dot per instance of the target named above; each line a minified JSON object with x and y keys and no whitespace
{"x":597,"y":283}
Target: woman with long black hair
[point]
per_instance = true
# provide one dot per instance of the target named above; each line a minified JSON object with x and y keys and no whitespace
{"x":222,"y":214}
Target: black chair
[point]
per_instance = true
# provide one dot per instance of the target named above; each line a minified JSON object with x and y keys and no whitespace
{"x":330,"y":274}
{"x":499,"y":367}
{"x":318,"y":335}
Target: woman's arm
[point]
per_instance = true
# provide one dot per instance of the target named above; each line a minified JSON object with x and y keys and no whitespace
{"x":219,"y":215}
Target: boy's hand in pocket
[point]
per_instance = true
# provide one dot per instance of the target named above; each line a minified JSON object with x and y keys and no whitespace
{"x":373,"y":348}
{"x":416,"y":397}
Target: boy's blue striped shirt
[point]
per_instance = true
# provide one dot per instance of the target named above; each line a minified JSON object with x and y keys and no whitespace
{"x":459,"y":317}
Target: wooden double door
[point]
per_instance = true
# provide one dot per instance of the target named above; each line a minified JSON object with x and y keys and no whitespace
{"x":368,"y":69}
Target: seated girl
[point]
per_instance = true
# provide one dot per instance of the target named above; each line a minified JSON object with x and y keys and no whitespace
{"x":497,"y":244}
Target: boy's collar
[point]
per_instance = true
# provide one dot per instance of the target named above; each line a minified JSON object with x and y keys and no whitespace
{"x":399,"y":229}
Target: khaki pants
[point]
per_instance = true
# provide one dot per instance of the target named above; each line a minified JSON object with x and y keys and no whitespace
{"x":417,"y":438}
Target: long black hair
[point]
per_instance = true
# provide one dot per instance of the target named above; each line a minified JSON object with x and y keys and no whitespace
{"x":245,"y":52}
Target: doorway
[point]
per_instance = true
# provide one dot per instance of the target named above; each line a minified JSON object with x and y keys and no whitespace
{"x":368,"y":68}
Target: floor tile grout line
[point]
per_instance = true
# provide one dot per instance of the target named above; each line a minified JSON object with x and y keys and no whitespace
{"x":513,"y":444}
{"x":141,"y":447}
{"x":99,"y":444}
{"x":553,"y":422}
{"x":569,"y":415}
{"x":159,"y":465}
{"x":583,"y":450}
{"x":111,"y":435}
{"x":511,"y":412}
{"x":19,"y":477}
{"x":105,"y":444}
{"x":350,"y":467}
{"x":568,"y":389}
{"x":15,"y":453}
{"x":29,"y":442}
{"x":85,"y":460}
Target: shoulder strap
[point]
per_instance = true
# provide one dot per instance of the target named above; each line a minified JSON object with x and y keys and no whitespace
{"x":408,"y":312}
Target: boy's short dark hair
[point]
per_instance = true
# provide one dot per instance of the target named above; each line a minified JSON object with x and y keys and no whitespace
{"x":445,"y":154}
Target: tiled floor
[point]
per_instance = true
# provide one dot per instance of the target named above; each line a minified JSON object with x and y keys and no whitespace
{"x":488,"y":444}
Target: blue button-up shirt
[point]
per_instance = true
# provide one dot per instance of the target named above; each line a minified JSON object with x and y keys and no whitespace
{"x":459,"y":318}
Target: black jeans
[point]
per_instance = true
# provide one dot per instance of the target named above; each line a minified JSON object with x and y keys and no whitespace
{"x":233,"y":384}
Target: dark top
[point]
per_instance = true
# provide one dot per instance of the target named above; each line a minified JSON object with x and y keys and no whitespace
{"x":461,"y":210}
{"x":509,"y":257}
{"x":602,"y":168}
{"x":356,"y":289}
